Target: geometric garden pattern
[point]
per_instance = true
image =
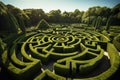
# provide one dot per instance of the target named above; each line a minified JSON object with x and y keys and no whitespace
{"x":61,"y":54}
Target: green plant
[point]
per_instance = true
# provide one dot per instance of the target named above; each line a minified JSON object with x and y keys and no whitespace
{"x":43,"y":25}
{"x":108,"y":23}
{"x":8,"y":22}
{"x":98,"y":22}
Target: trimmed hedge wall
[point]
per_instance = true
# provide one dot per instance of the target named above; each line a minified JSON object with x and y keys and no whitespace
{"x":48,"y":75}
{"x":20,"y":69}
{"x":116,"y":42}
{"x":67,"y":55}
{"x":85,"y":66}
{"x":114,"y":61}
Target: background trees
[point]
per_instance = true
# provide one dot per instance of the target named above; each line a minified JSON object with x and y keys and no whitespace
{"x":77,"y":16}
{"x":12,"y":18}
{"x":115,"y":12}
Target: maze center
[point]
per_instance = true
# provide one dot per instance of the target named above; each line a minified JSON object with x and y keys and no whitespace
{"x":60,"y":55}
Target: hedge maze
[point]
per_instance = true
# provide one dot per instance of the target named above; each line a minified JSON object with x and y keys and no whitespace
{"x":61,"y":54}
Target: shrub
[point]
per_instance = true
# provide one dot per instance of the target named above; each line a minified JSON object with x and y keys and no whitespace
{"x":98,"y":22}
{"x":63,"y":70}
{"x":2,"y":46}
{"x":20,"y":70}
{"x":108,"y":23}
{"x":43,"y":25}
{"x":116,"y":41}
{"x":8,"y":22}
{"x":48,"y":75}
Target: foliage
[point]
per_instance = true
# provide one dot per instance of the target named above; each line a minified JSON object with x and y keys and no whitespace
{"x":8,"y":22}
{"x":30,"y":17}
{"x":108,"y":23}
{"x":73,"y":53}
{"x":116,"y":42}
{"x":43,"y":25}
{"x":2,"y":46}
{"x":21,"y":17}
{"x":48,"y":75}
{"x":98,"y":22}
{"x":115,"y":11}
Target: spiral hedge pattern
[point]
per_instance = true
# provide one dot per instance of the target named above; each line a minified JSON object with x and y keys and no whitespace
{"x":61,"y":54}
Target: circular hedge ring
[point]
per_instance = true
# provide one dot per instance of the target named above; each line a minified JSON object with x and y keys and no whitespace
{"x":61,"y":55}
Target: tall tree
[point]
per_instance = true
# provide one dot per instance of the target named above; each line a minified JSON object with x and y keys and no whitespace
{"x":116,"y":15}
{"x":54,"y":16}
{"x":98,"y":22}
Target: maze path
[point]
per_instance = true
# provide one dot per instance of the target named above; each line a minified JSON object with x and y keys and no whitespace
{"x":61,"y":55}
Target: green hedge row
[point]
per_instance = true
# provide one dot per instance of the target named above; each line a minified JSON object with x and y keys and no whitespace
{"x":18,"y":69}
{"x":116,"y":42}
{"x":90,"y":45}
{"x":114,"y":61}
{"x":48,"y":75}
{"x":46,"y":52}
{"x":77,"y":57}
{"x":78,"y":64}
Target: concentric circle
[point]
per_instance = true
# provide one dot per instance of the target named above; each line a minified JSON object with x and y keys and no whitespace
{"x":73,"y":55}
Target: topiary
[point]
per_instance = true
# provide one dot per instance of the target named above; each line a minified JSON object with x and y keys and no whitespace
{"x":116,"y":42}
{"x":8,"y":22}
{"x":108,"y":23}
{"x":2,"y":46}
{"x":20,"y":15}
{"x":43,"y":25}
{"x":98,"y":22}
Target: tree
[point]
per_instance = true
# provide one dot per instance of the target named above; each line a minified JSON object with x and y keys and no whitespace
{"x":21,"y":17}
{"x":8,"y":22}
{"x":43,"y":25}
{"x":94,"y":22}
{"x":65,"y":17}
{"x":54,"y":16}
{"x":116,"y":15}
{"x":108,"y":23}
{"x":98,"y":23}
{"x":116,"y":9}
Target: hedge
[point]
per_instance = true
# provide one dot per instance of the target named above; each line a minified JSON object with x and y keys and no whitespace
{"x":63,"y":70}
{"x":116,"y":42}
{"x":114,"y":61}
{"x":48,"y":75}
{"x":27,"y":70}
{"x":72,"y":54}
{"x":19,"y":69}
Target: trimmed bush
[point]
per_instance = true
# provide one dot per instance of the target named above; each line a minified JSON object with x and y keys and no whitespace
{"x":72,"y":56}
{"x":108,"y":23}
{"x":63,"y":70}
{"x":8,"y":22}
{"x":114,"y":61}
{"x":42,"y":25}
{"x":48,"y":75}
{"x":116,"y":42}
{"x":20,"y":69}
